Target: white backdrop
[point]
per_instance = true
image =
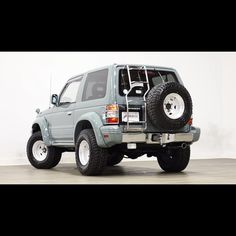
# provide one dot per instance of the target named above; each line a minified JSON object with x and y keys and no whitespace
{"x":25,"y":82}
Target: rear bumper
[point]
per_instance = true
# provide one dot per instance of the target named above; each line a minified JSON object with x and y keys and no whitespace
{"x":112,"y":135}
{"x":162,"y":138}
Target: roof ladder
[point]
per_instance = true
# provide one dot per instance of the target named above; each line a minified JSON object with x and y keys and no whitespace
{"x":133,"y":84}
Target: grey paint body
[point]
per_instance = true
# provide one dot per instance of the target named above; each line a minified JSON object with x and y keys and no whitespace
{"x":58,"y":128}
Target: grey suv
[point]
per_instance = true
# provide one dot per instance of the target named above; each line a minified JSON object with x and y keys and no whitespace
{"x":114,"y":112}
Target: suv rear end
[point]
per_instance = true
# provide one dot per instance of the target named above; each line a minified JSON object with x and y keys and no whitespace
{"x":149,"y":112}
{"x":139,"y":130}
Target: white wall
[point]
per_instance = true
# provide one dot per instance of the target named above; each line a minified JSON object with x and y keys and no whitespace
{"x":25,"y":79}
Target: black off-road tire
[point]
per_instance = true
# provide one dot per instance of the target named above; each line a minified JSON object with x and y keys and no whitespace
{"x":156,"y":111}
{"x":53,"y":156}
{"x":97,"y":158}
{"x":114,"y":159}
{"x":174,"y":160}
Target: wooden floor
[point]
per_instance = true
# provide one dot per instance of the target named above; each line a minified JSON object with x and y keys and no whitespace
{"x":203,"y":171}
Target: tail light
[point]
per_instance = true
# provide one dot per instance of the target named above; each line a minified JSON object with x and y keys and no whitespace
{"x":190,"y":122}
{"x":112,"y":114}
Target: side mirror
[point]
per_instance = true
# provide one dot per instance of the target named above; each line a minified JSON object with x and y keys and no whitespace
{"x":54,"y":99}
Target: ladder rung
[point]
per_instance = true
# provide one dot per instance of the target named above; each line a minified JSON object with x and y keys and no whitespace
{"x":134,"y":129}
{"x":139,"y":100}
{"x":139,"y":82}
{"x":136,"y":68}
{"x":136,"y":122}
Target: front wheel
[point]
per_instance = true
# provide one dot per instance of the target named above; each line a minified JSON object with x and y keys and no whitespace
{"x":41,"y":156}
{"x":174,"y":160}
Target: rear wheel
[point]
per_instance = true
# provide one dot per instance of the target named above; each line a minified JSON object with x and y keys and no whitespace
{"x":41,"y":156}
{"x":114,"y":159}
{"x":90,"y":158}
{"x":174,"y":160}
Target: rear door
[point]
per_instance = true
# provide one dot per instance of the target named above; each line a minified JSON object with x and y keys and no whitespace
{"x":156,"y":76}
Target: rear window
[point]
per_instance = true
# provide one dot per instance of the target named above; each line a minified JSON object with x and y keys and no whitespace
{"x":95,"y":85}
{"x":155,"y":77}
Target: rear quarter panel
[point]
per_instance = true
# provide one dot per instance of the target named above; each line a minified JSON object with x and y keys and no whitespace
{"x":94,"y":110}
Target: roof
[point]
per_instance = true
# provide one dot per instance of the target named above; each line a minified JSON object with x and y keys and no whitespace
{"x":123,"y":65}
{"x":148,"y":66}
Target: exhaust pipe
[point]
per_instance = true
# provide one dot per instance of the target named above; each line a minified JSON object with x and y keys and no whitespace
{"x":183,"y":145}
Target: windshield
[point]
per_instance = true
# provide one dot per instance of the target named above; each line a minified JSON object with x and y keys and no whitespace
{"x":155,"y":77}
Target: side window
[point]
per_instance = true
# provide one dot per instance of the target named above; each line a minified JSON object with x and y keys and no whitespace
{"x":165,"y":77}
{"x":95,"y":85}
{"x":69,"y":93}
{"x":171,"y":78}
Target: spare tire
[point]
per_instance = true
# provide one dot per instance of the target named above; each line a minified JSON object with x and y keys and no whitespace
{"x":169,"y":105}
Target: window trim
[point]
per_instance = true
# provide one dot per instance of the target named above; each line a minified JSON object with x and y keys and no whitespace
{"x":66,"y":86}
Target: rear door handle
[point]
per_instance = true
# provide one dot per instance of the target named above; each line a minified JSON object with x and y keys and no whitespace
{"x":69,"y":113}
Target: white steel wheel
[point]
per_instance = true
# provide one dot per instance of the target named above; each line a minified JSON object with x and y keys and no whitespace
{"x":84,"y":152}
{"x":39,"y":150}
{"x":173,"y":106}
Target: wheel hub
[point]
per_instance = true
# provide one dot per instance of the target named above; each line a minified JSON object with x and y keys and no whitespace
{"x":84,"y":152}
{"x":173,"y":106}
{"x":39,"y":150}
{"x":168,"y":106}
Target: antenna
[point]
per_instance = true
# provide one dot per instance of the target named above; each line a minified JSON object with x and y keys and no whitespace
{"x":50,"y":90}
